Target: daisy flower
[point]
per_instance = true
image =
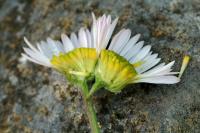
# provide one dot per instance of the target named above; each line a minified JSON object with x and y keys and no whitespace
{"x":88,"y":55}
{"x":112,"y":74}
{"x":78,"y":54}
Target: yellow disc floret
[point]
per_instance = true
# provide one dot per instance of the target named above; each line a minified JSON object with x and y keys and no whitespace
{"x":114,"y":71}
{"x":77,"y":65}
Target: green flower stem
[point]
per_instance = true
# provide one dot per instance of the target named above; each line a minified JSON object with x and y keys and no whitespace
{"x":90,"y":109}
{"x":96,"y":86}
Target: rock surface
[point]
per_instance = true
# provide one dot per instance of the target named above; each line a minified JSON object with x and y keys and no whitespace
{"x":35,"y":99}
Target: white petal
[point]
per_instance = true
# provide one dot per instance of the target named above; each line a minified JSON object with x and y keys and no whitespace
{"x":148,"y":64}
{"x":48,"y":64}
{"x":108,"y":20}
{"x":44,"y":52}
{"x":74,"y":40}
{"x":115,"y":38}
{"x":94,"y":31}
{"x":142,"y":53}
{"x":109,"y":33}
{"x":101,"y":31}
{"x":40,"y":48}
{"x":93,"y":17}
{"x":120,"y":40}
{"x":46,"y":49}
{"x":60,"y":46}
{"x":134,"y":50}
{"x":82,"y":38}
{"x":154,"y":68}
{"x":89,"y":38}
{"x":159,"y":70}
{"x":160,"y":80}
{"x":130,"y":44}
{"x":37,"y":57}
{"x":29,"y":44}
{"x":67,"y":43}
{"x":53,"y":47}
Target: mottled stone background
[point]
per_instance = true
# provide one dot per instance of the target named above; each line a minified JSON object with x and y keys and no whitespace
{"x":35,"y":99}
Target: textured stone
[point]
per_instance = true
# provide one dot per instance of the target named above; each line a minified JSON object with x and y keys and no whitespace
{"x":36,"y":99}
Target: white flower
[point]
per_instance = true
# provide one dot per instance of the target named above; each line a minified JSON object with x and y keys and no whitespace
{"x":147,"y":68}
{"x":144,"y":62}
{"x":133,"y":50}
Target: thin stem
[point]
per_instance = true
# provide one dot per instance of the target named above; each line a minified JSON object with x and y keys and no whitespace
{"x":96,"y":86}
{"x":90,"y":110}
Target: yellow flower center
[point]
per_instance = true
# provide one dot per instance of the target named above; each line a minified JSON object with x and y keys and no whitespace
{"x":77,"y":64}
{"x":110,"y":69}
{"x":115,"y":71}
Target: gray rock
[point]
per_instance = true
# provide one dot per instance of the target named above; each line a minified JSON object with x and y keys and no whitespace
{"x":2,"y":95}
{"x":39,"y":100}
{"x":13,"y":79}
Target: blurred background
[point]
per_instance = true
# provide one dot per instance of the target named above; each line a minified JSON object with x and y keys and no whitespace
{"x":35,"y":99}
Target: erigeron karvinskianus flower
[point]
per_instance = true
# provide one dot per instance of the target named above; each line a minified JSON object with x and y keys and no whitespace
{"x":113,"y":65}
{"x":89,"y":56}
